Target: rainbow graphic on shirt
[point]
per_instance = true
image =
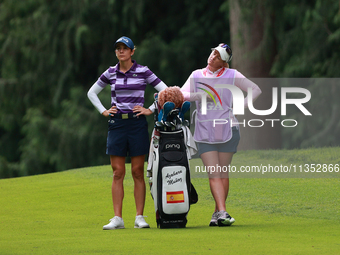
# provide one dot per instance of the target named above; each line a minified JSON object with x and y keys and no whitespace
{"x":209,"y":93}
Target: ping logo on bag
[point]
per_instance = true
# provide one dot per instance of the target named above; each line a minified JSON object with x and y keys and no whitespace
{"x":172,"y":146}
{"x":175,"y":197}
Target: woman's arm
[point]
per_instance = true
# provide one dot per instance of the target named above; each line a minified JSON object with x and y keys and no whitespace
{"x":188,"y":91}
{"x":92,"y":94}
{"x":243,"y":83}
{"x":148,"y":111}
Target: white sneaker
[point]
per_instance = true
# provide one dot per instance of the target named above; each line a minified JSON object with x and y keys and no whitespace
{"x":214,"y":219}
{"x":115,"y":223}
{"x":140,"y":222}
{"x":224,"y":219}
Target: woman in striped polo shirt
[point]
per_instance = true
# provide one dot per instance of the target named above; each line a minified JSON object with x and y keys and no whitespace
{"x":128,"y":129}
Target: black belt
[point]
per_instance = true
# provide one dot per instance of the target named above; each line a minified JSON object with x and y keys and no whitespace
{"x":130,"y":115}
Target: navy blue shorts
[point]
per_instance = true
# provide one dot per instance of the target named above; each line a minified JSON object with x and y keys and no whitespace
{"x":230,"y":146}
{"x":128,"y":137}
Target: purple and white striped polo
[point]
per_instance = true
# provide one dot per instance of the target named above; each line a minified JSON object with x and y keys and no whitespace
{"x":127,"y":89}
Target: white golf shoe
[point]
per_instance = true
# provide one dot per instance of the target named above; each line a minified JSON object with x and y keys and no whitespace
{"x":115,"y":223}
{"x":224,"y":219}
{"x":140,"y":222}
{"x":214,"y":218}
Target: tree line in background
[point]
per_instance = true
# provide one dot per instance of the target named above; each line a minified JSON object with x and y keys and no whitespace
{"x":51,"y":52}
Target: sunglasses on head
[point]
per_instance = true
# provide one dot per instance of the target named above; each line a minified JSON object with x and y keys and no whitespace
{"x":228,"y":50}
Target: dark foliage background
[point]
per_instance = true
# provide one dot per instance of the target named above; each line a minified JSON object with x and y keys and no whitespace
{"x":51,"y":52}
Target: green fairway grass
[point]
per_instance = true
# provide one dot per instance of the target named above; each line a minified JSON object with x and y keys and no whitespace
{"x":63,"y":213}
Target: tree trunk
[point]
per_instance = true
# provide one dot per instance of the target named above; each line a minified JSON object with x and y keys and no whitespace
{"x":253,"y":55}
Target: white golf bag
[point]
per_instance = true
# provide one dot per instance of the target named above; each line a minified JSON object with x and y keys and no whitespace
{"x":168,"y":169}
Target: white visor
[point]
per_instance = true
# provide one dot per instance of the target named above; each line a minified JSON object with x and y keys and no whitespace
{"x":223,"y":53}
